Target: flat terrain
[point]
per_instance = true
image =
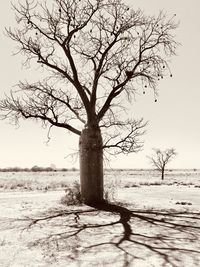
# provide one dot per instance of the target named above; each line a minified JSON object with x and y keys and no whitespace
{"x":149,"y":223}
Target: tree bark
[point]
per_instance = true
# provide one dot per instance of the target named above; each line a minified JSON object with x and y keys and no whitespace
{"x":162,"y":176}
{"x":91,"y":165}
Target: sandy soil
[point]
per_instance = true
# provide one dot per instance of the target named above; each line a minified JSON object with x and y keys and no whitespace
{"x":156,"y":226}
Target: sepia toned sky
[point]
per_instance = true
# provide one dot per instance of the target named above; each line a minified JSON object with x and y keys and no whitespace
{"x":174,"y":121}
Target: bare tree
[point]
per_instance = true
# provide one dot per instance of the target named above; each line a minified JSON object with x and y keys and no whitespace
{"x":96,"y":53}
{"x":161,"y":158}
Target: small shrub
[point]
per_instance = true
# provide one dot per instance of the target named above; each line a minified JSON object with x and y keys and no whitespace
{"x":183,"y":203}
{"x":2,"y":243}
{"x":129,"y":185}
{"x":72,"y":195}
{"x":109,"y":193}
{"x":150,"y":183}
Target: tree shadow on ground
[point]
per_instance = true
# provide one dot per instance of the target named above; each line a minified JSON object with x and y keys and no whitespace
{"x":114,"y":235}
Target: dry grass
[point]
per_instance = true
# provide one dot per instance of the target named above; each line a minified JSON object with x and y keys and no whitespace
{"x":45,"y":181}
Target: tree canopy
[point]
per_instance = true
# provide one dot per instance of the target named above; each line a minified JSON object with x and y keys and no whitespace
{"x":97,"y":54}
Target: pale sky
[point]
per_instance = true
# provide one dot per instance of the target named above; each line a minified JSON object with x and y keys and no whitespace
{"x":173,"y":121}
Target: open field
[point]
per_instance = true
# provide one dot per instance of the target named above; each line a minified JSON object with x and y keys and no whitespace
{"x":150,"y":223}
{"x":45,"y":181}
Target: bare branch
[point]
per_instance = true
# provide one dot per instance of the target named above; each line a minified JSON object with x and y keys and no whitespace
{"x":127,"y":143}
{"x":96,"y":50}
{"x":34,"y":105}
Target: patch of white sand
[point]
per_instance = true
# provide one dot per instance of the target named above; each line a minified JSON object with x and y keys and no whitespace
{"x":91,"y":238}
{"x":163,"y":197}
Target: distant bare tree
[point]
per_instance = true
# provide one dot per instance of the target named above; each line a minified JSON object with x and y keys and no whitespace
{"x":161,"y":158}
{"x":97,"y":53}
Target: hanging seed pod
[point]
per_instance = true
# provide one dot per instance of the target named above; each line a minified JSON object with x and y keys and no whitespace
{"x":155,"y":100}
{"x":170,"y":75}
{"x":145,"y":86}
{"x":143,"y":92}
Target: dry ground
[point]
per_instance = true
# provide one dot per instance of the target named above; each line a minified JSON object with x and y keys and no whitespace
{"x":149,"y":224}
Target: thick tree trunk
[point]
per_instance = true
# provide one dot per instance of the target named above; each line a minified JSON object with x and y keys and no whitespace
{"x":162,"y":176}
{"x":91,"y":166}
